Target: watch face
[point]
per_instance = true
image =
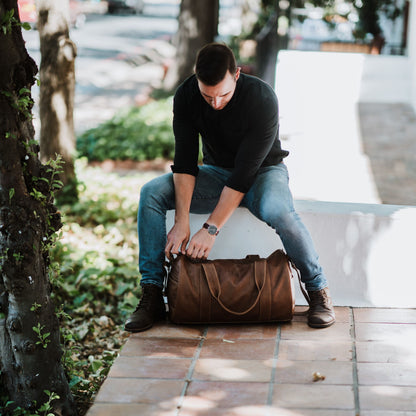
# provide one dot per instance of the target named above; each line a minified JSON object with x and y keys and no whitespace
{"x":212,"y":229}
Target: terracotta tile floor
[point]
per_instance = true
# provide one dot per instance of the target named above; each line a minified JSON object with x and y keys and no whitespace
{"x":367,"y":364}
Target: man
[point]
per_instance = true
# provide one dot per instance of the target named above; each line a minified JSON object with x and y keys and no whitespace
{"x":236,"y":116}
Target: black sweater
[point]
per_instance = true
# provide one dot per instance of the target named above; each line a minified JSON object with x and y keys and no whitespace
{"x":242,"y":137}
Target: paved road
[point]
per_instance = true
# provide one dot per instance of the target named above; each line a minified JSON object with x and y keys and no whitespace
{"x":118,"y":57}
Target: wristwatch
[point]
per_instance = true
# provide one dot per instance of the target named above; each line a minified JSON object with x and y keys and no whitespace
{"x":212,"y":229}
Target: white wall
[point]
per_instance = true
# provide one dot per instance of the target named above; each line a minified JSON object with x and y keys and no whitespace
{"x":367,"y":250}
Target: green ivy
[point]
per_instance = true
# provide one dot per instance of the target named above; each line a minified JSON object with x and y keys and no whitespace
{"x":43,"y":337}
{"x":7,"y":21}
{"x":23,"y":102}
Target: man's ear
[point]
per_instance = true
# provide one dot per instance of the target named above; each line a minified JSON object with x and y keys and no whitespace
{"x":237,"y":73}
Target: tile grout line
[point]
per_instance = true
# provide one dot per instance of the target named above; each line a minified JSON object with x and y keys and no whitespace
{"x":274,"y":365}
{"x":191,"y":369}
{"x":354,"y":363}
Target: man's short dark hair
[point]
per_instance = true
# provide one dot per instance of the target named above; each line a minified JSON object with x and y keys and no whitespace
{"x":212,"y":63}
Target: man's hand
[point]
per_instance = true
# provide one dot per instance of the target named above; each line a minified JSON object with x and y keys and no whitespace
{"x":177,"y":239}
{"x":179,"y":235}
{"x":200,"y":244}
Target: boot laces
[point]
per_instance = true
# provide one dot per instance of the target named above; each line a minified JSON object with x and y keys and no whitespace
{"x":319,"y":298}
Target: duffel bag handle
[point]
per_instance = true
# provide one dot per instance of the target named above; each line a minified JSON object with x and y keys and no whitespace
{"x":213,"y":280}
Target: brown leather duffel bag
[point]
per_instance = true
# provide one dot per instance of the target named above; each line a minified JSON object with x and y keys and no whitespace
{"x":246,"y":290}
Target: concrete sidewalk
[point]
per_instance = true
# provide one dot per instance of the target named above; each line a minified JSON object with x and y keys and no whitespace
{"x":363,"y":365}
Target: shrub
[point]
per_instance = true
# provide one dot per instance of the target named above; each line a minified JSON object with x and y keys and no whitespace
{"x":138,"y":133}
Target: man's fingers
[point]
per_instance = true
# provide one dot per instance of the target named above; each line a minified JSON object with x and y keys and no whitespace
{"x":190,"y":250}
{"x":167,"y":249}
{"x":196,"y":251}
{"x":176,"y":249}
{"x":172,"y":248}
{"x":183,"y":245}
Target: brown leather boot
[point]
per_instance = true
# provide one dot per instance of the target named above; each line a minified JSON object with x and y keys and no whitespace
{"x":321,"y":312}
{"x":150,"y":309}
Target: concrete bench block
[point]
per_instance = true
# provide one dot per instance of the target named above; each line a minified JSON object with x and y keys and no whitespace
{"x":368,"y":251}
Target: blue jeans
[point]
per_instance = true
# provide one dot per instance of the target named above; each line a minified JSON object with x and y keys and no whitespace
{"x":269,"y":199}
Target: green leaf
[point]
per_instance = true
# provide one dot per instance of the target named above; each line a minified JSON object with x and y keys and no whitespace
{"x":96,"y":365}
{"x":75,"y":381}
{"x":45,"y":407}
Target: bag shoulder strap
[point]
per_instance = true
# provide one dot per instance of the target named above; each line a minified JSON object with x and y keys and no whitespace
{"x":303,"y":290}
{"x":214,"y":284}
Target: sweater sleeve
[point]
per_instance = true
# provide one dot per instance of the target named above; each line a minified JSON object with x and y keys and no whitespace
{"x":186,"y":135}
{"x":259,"y":138}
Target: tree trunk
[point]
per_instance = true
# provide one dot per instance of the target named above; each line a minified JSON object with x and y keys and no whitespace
{"x":57,"y":88}
{"x":198,"y":25}
{"x":268,"y":48}
{"x":30,"y":359}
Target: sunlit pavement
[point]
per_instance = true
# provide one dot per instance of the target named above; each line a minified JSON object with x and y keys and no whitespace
{"x":365,"y":364}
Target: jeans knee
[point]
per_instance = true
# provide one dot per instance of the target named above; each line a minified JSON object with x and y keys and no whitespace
{"x":289,"y":219}
{"x":280,"y":218}
{"x":147,"y":191}
{"x":156,"y":191}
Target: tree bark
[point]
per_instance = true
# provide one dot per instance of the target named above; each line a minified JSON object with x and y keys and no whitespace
{"x":268,"y":48}
{"x":30,"y":360}
{"x":198,"y":25}
{"x":57,"y":88}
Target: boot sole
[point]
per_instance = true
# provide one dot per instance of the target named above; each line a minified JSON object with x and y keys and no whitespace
{"x":135,"y":330}
{"x":321,"y":325}
{"x":142,"y":329}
